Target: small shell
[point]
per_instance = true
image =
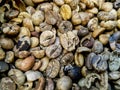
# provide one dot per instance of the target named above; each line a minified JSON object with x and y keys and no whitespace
{"x":65,"y":12}
{"x":33,"y":75}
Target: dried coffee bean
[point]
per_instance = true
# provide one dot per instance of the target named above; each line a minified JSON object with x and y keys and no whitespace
{"x":17,"y":76}
{"x":76,"y":20}
{"x":99,"y":64}
{"x":37,"y":17}
{"x":44,"y":63}
{"x":22,"y":54}
{"x":67,"y":59}
{"x":7,"y":84}
{"x":53,"y":51}
{"x":36,"y":65}
{"x":114,"y":75}
{"x":64,"y":83}
{"x":27,"y":22}
{"x":12,"y":13}
{"x":82,"y":31}
{"x":44,"y":26}
{"x":26,"y":86}
{"x":87,"y":41}
{"x":41,"y":84}
{"x":9,"y":58}
{"x":11,"y":29}
{"x":34,"y":41}
{"x":79,"y":59}
{"x":3,"y":66}
{"x":88,"y":80}
{"x":6,"y":43}
{"x":114,"y":61}
{"x":49,"y":84}
{"x":97,"y":47}
{"x":116,"y":4}
{"x":23,"y":44}
{"x":33,"y":75}
{"x":75,"y":87}
{"x":73,"y":72}
{"x":113,"y":40}
{"x":65,"y":11}
{"x":65,"y":26}
{"x":69,"y":40}
{"x":25,"y":64}
{"x":93,"y":24}
{"x":89,"y":60}
{"x":83,"y":49}
{"x":51,"y":17}
{"x":47,"y":38}
{"x":53,"y":68}
{"x":37,"y":52}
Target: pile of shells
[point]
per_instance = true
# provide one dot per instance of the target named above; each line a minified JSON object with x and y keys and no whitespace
{"x":59,"y":44}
